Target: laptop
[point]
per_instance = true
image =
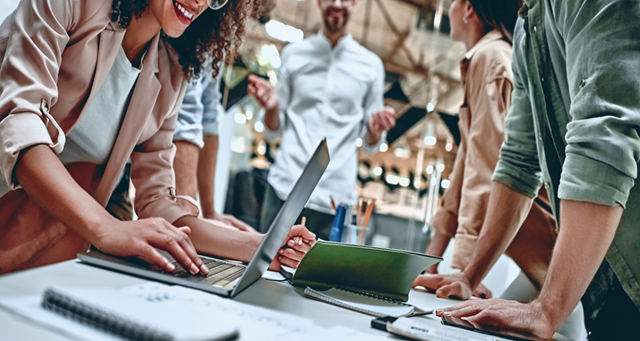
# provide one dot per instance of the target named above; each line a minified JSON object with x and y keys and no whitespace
{"x":228,"y":278}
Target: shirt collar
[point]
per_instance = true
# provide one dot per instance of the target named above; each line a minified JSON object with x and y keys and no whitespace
{"x":327,"y":43}
{"x":490,"y":37}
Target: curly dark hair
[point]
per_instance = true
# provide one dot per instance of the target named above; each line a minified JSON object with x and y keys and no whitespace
{"x":213,"y":36}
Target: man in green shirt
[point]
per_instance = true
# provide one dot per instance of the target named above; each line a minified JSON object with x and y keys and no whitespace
{"x":574,"y":122}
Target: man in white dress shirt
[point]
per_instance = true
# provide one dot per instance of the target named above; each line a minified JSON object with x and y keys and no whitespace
{"x":328,"y":86}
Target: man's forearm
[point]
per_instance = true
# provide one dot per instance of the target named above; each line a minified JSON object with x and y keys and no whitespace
{"x":586,"y":233}
{"x":206,"y":175}
{"x":506,"y":211}
{"x":212,"y":239}
{"x":272,"y":119}
{"x":371,"y":139}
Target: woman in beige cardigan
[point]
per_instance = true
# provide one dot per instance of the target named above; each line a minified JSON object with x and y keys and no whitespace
{"x":55,"y":56}
{"x":486,"y":29}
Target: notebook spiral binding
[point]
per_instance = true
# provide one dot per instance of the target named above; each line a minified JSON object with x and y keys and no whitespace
{"x":84,"y":313}
{"x":318,"y":295}
{"x":362,"y":293}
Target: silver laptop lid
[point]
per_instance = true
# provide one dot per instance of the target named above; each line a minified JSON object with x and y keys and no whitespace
{"x":285,"y":218}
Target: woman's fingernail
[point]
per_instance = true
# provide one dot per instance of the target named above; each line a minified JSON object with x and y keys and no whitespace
{"x":291,"y":243}
{"x":194,"y":269}
{"x":171,"y":266}
{"x":281,"y":251}
{"x":447,"y":313}
{"x":204,"y":269}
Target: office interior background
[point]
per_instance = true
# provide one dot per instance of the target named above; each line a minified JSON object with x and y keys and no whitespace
{"x":410,"y":172}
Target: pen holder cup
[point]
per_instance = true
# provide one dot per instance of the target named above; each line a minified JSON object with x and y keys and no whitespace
{"x":354,"y":234}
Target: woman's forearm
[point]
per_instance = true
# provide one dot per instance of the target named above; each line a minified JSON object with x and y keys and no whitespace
{"x":216,"y":240}
{"x":506,"y":211}
{"x":49,"y":184}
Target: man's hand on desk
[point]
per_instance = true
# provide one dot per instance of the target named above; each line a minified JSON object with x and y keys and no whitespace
{"x":453,"y":285}
{"x":511,"y":315}
{"x":295,"y":247}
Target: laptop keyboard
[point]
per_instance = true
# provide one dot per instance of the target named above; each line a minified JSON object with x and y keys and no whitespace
{"x":221,"y":274}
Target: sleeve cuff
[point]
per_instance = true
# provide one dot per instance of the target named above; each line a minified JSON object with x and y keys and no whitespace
{"x":271,"y":135}
{"x":372,"y":149}
{"x":170,"y":209}
{"x":193,"y":135}
{"x":586,"y":179}
{"x":525,"y":183}
{"x":21,"y":131}
{"x":210,"y":120}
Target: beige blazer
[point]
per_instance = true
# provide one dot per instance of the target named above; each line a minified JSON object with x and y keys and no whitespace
{"x":55,"y":55}
{"x":487,"y":81}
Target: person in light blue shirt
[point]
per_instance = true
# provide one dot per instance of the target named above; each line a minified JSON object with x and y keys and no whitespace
{"x":574,"y":124}
{"x":328,"y":86}
{"x":196,"y":140}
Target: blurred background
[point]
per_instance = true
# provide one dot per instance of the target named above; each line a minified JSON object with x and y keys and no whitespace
{"x":410,"y":172}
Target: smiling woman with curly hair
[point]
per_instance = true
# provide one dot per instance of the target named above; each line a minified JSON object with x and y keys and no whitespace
{"x":86,"y":85}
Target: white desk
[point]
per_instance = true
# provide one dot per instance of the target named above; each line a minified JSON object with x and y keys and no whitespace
{"x":279,"y":296}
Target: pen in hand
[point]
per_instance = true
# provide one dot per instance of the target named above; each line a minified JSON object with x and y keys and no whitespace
{"x":299,"y":239}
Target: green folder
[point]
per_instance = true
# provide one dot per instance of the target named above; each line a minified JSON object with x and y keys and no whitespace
{"x":377,"y":271}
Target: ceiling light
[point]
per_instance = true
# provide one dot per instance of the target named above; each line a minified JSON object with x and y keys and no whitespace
{"x":284,"y":32}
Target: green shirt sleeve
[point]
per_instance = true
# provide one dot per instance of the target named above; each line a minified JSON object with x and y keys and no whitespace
{"x":519,"y":167}
{"x":603,"y":63}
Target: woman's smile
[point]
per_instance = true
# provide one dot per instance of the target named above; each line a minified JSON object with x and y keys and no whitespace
{"x":184,"y":13}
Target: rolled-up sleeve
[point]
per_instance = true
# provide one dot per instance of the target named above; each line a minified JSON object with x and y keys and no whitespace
{"x":283,"y":89}
{"x":32,"y":41}
{"x":153,"y":177}
{"x":603,"y":146}
{"x":190,"y":115}
{"x":519,"y":165}
{"x":373,"y":102}
{"x":211,"y":106}
{"x":486,"y":134}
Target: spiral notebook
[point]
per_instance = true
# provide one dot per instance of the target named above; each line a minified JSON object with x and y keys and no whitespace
{"x":138,"y":319}
{"x":365,"y":303}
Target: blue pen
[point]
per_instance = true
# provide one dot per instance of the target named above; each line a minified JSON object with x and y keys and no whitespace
{"x":338,"y":224}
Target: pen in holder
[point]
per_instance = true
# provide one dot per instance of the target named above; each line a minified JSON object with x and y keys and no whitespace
{"x":355,"y":234}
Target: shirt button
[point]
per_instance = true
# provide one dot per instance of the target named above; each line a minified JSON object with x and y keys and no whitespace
{"x":535,"y":28}
{"x":542,"y":79}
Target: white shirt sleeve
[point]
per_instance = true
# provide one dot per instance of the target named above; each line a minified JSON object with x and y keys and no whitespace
{"x":283,"y":88}
{"x":373,"y":102}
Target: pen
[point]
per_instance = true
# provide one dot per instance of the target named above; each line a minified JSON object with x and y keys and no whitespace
{"x":358,"y":221}
{"x":367,"y":214}
{"x":302,"y":222}
{"x":333,"y":204}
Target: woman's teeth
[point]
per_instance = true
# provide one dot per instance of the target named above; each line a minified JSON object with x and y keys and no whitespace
{"x":184,"y":11}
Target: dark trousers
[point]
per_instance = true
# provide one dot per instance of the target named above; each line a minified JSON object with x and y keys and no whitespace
{"x":609,"y":313}
{"x":317,"y":222}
